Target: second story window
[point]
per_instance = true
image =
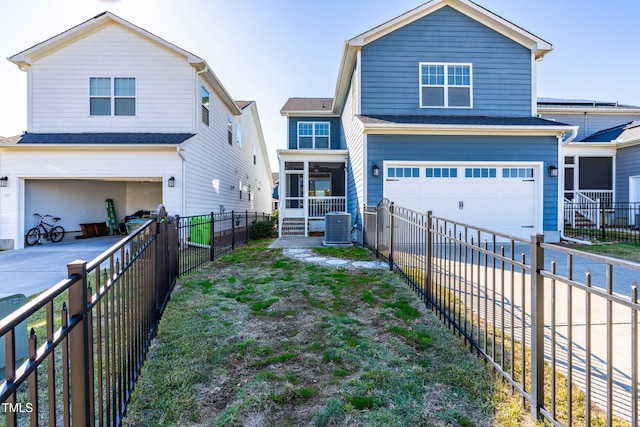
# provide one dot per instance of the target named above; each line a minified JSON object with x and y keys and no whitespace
{"x":313,"y":135}
{"x":112,"y":96}
{"x":205,"y":106}
{"x":445,"y":85}
{"x":230,"y":131}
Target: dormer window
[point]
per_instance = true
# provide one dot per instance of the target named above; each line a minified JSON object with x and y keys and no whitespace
{"x":314,"y":135}
{"x":107,"y":95}
{"x":445,"y":85}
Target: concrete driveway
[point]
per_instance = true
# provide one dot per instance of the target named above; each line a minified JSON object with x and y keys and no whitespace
{"x":33,"y":269}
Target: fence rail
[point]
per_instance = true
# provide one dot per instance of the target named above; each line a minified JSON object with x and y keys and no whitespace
{"x":607,"y":221}
{"x":559,"y":325}
{"x":90,"y":333}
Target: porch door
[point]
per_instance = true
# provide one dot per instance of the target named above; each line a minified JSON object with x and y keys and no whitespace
{"x":294,"y":202}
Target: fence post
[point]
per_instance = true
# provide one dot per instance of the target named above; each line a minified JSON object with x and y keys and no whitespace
{"x":364,"y":231}
{"x":212,"y":235}
{"x":377,"y":231}
{"x":233,"y":230}
{"x":603,"y":224}
{"x":391,"y":221}
{"x":537,"y":325}
{"x":81,"y":383}
{"x":429,"y":256}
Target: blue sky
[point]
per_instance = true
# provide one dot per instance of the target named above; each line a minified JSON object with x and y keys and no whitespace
{"x":270,"y":50}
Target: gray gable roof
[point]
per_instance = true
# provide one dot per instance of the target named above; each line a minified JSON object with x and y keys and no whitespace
{"x":307,"y":104}
{"x":457,"y":120}
{"x":105,"y":138}
{"x":243,"y":104}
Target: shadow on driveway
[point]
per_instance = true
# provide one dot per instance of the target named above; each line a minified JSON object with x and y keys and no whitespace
{"x":33,"y":269}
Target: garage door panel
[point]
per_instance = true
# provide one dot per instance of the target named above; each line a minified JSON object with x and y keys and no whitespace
{"x":496,"y":197}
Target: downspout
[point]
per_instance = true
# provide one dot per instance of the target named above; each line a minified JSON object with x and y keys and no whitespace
{"x":183,"y":203}
{"x":569,"y":139}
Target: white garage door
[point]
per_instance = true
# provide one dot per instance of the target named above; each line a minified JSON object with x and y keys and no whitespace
{"x":497,"y":197}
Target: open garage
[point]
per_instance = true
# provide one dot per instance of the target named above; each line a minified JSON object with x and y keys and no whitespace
{"x":83,"y":201}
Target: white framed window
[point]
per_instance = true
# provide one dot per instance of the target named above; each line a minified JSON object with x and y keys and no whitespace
{"x":112,"y":96}
{"x":239,"y":136}
{"x":205,"y":105}
{"x":230,"y":130}
{"x":445,"y":85}
{"x":313,"y":135}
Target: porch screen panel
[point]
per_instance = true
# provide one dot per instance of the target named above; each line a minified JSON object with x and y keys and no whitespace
{"x":596,"y":173}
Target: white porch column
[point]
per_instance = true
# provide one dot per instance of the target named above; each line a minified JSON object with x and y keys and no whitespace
{"x":305,"y":203}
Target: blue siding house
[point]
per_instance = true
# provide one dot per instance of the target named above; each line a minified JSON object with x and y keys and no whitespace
{"x":436,"y":110}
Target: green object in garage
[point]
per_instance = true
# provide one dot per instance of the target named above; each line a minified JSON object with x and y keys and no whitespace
{"x":112,"y":220}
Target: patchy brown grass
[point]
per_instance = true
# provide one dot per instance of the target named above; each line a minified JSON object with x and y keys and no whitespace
{"x":257,"y":339}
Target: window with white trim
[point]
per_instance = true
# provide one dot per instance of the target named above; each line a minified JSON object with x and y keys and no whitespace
{"x":205,"y":106}
{"x":239,"y":136}
{"x":230,"y":131}
{"x":313,"y":135}
{"x":107,"y":95}
{"x":446,"y":85}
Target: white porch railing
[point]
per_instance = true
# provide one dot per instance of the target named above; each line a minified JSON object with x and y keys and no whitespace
{"x":584,"y":206}
{"x":320,"y":206}
{"x":603,"y":196}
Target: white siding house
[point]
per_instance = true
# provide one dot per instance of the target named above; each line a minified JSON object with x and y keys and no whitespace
{"x":115,"y":112}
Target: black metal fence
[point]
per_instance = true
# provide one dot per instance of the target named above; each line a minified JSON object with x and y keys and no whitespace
{"x":559,"y":325}
{"x":90,"y":333}
{"x":602,"y":221}
{"x":205,"y":237}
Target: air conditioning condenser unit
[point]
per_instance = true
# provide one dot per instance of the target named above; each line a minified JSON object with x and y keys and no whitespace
{"x":337,"y":227}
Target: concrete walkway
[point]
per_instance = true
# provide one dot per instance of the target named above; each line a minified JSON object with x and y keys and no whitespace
{"x":300,"y":248}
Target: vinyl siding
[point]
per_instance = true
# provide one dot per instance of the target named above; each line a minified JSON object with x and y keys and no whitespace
{"x":213,"y":166}
{"x":502,"y":73}
{"x":465,"y":149}
{"x":590,"y":123}
{"x":60,"y":85}
{"x":354,"y":141}
{"x":627,"y":164}
{"x":334,"y":130}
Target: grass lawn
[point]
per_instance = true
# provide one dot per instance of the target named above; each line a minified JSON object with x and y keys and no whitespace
{"x":628,"y":251}
{"x":258,"y":339}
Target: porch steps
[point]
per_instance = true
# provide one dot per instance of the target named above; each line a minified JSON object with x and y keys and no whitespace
{"x":292,"y":227}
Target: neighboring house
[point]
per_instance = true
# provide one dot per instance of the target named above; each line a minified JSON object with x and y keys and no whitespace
{"x":436,"y":110}
{"x":115,"y":112}
{"x":602,"y":164}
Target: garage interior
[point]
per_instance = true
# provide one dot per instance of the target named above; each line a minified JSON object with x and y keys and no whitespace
{"x":83,"y":201}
